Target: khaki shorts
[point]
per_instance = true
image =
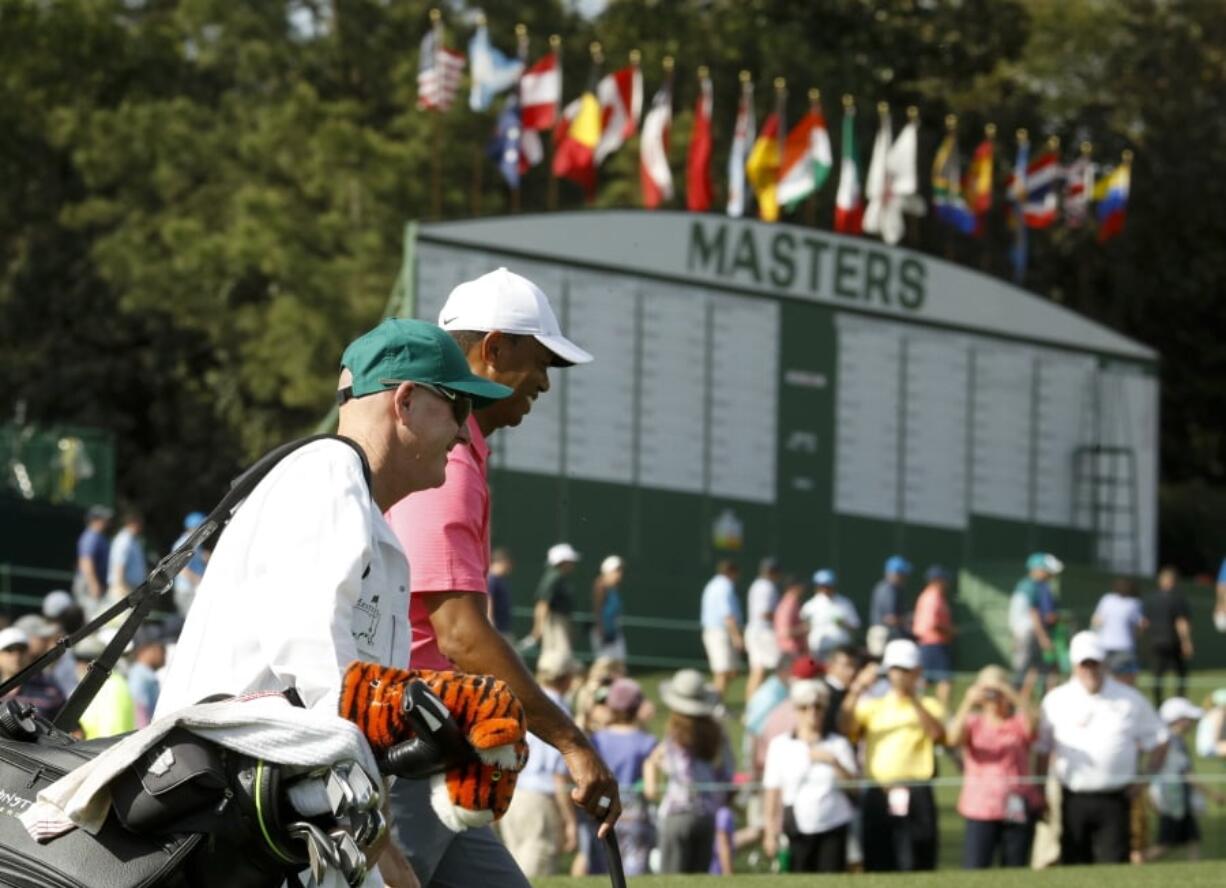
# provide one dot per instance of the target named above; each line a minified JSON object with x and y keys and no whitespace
{"x":721,"y":655}
{"x":532,"y":831}
{"x":761,"y":647}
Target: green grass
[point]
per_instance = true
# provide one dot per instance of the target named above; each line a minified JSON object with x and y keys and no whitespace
{"x":1212,"y":822}
{"x":1183,"y":875}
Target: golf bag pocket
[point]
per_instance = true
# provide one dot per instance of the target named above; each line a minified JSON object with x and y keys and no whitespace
{"x":114,"y":858}
{"x":180,"y":777}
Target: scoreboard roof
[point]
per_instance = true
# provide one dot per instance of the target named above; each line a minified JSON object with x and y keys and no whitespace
{"x":845,"y":273}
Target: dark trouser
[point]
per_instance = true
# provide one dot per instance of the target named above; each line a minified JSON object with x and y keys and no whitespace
{"x":1094,"y":827}
{"x":901,"y":844}
{"x":1168,"y":657}
{"x":824,"y":852}
{"x":686,"y":843}
{"x":985,"y":837}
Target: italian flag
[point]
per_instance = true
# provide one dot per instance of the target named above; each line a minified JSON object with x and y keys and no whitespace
{"x":848,"y":204}
{"x":806,"y":159}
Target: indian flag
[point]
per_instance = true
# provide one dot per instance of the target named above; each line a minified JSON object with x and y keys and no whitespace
{"x":807,"y":159}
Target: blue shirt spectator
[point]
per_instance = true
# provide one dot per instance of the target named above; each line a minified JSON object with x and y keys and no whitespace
{"x":719,"y":602}
{"x":128,"y":566}
{"x":887,"y":605}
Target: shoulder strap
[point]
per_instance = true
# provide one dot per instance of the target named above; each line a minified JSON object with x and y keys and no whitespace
{"x":158,"y":582}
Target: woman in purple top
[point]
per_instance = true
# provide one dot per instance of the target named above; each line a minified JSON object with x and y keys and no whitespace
{"x":693,"y":755}
{"x":625,"y":747}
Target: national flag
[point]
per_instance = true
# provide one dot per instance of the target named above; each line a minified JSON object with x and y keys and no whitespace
{"x":977,"y":186}
{"x":1112,"y":196}
{"x":806,"y":158}
{"x":947,"y":196}
{"x":742,"y":141}
{"x":893,"y":184}
{"x":439,"y":70}
{"x":1078,"y":189}
{"x":1016,"y":187}
{"x":492,"y":71}
{"x":506,"y":147}
{"x":540,"y":93}
{"x":654,"y":172}
{"x":762,"y":169}
{"x":848,"y":203}
{"x":698,"y":161}
{"x":620,"y":95}
{"x":1044,"y":176}
{"x":574,"y":154}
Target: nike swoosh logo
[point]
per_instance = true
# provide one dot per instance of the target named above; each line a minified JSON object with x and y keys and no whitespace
{"x":450,"y":319}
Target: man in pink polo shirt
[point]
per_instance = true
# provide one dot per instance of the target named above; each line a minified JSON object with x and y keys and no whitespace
{"x":504,"y":325}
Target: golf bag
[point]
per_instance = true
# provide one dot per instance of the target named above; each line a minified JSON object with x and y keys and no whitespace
{"x":190,"y":813}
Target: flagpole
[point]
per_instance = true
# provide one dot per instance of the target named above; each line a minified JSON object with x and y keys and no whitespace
{"x":985,"y":253}
{"x":815,"y":100}
{"x":436,"y":152}
{"x":551,"y":195}
{"x":951,"y":129}
{"x":521,"y":50}
{"x":910,"y":221}
{"x":1019,"y":221}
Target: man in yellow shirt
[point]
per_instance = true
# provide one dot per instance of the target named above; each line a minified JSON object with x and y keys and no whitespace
{"x":111,"y":711}
{"x":900,"y":731}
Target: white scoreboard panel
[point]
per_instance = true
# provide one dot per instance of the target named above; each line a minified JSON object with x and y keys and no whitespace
{"x":682,"y":394}
{"x":935,"y":426}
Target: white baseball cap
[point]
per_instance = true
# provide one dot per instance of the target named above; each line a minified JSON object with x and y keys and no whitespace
{"x":11,"y":636}
{"x":1086,"y":646}
{"x":1174,"y":709}
{"x":612,"y":563}
{"x":561,"y":554}
{"x":901,"y":653}
{"x":502,"y":300}
{"x":56,"y":602}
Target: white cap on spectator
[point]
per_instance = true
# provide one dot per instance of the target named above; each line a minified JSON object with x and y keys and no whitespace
{"x":56,"y":602}
{"x":612,"y":563}
{"x":808,"y":692}
{"x":562,"y":553}
{"x":1086,"y":646}
{"x":1174,"y":709}
{"x":509,"y":303}
{"x":901,"y":653}
{"x":13,"y":636}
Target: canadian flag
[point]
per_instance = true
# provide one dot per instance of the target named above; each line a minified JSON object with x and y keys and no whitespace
{"x":540,"y":92}
{"x":621,"y":103}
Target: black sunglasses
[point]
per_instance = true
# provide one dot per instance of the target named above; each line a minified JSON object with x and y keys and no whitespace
{"x":461,"y":405}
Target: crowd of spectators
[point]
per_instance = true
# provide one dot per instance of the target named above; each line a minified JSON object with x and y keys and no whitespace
{"x":846,"y":723}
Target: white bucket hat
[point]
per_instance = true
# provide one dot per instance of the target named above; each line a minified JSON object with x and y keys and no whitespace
{"x":689,"y":694}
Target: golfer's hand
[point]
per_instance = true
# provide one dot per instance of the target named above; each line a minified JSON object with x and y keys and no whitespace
{"x":595,"y":787}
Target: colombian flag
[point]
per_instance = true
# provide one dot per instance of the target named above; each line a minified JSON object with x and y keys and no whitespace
{"x":1112,"y":196}
{"x":762,"y":169}
{"x":575,"y":155}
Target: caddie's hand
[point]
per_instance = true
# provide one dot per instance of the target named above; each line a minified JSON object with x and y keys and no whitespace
{"x":595,"y":788}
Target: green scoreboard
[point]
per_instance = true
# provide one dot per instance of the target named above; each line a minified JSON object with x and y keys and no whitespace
{"x":769,"y":389}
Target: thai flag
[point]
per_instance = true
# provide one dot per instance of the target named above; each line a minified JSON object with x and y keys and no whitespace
{"x":438,"y":73}
{"x":1044,"y":179}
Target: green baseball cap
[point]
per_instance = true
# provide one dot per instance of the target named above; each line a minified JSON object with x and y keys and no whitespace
{"x":405,"y":350}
